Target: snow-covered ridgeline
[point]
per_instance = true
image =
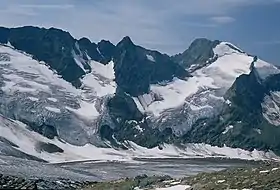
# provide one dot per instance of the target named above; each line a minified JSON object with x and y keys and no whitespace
{"x":28,"y":141}
{"x":265,"y":69}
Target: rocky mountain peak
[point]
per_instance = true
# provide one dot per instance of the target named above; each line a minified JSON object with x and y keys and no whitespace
{"x":126,"y":42}
{"x":198,"y":53}
{"x":106,"y":50}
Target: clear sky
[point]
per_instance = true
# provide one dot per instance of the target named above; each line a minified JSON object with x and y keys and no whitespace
{"x":166,"y":25}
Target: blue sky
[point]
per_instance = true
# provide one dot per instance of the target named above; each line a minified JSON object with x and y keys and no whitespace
{"x":166,"y":25}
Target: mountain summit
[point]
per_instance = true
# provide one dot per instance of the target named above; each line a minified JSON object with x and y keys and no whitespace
{"x":68,"y":99}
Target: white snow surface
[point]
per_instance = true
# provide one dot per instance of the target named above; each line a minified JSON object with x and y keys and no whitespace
{"x":265,"y":69}
{"x":78,"y":57}
{"x":52,"y":99}
{"x":33,"y":99}
{"x":264,"y":171}
{"x":86,"y":111}
{"x":52,"y":109}
{"x":101,"y":80}
{"x":219,"y":75}
{"x":151,"y":58}
{"x":227,"y":129}
{"x":22,"y":62}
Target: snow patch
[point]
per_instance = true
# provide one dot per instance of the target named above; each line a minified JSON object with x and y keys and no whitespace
{"x":227,"y":129}
{"x":101,"y":80}
{"x":139,"y":128}
{"x":52,"y":109}
{"x":33,"y":99}
{"x":52,"y":99}
{"x":228,"y":102}
{"x":87,"y":110}
{"x":138,"y":104}
{"x":151,"y":58}
{"x":176,"y":187}
{"x":258,"y":131}
{"x":175,"y":182}
{"x":196,"y":108}
{"x":264,"y":171}
{"x":146,"y":99}
{"x":103,"y":70}
{"x":78,"y":58}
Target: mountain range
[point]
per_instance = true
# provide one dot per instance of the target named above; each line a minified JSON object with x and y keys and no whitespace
{"x":66,"y":99}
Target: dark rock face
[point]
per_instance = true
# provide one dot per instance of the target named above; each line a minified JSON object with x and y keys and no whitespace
{"x":48,"y":147}
{"x":102,"y":52}
{"x":4,"y":35}
{"x":106,"y":50}
{"x":44,"y":129}
{"x":132,"y":125}
{"x":89,"y":47}
{"x":136,"y":68}
{"x":123,"y":107}
{"x":52,"y":46}
{"x":199,"y":52}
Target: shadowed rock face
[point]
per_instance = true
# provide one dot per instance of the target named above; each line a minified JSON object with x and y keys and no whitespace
{"x":136,"y":68}
{"x":199,"y":52}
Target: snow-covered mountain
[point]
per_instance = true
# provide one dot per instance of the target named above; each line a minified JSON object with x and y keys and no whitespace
{"x":67,"y":99}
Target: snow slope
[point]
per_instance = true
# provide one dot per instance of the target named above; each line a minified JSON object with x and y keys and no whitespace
{"x":33,"y":92}
{"x":265,"y":69}
{"x":101,"y":80}
{"x":219,"y":75}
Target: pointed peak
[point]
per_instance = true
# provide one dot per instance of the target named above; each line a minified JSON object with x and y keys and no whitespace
{"x":84,"y":41}
{"x":126,"y":41}
{"x":105,"y":42}
{"x":127,"y":38}
{"x":204,"y":41}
